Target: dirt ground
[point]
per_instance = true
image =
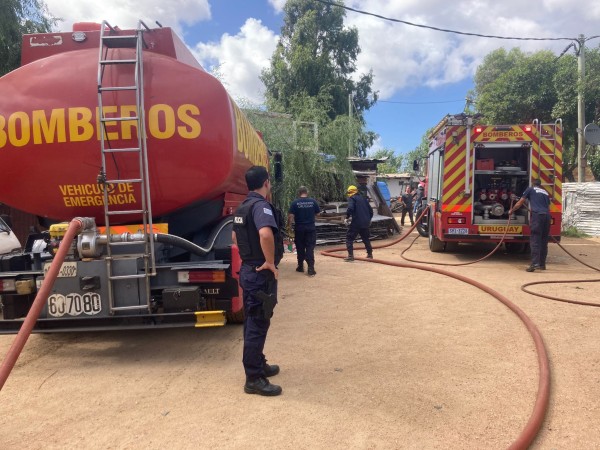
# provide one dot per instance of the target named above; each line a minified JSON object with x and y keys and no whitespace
{"x":371,"y":357}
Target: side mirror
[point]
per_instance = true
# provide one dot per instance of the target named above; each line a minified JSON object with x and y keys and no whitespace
{"x":415,"y":166}
{"x":7,"y":220}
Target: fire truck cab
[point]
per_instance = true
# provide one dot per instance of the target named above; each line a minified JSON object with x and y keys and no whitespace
{"x":476,"y":172}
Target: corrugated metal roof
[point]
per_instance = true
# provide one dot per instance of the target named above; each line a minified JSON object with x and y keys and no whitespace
{"x":581,"y":207}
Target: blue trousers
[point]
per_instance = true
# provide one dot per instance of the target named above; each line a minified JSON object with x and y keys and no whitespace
{"x":364,"y":235}
{"x":255,"y":324}
{"x":538,"y":241}
{"x":305,"y":245}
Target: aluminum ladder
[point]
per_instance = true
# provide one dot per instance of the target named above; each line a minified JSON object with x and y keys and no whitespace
{"x":550,"y":139}
{"x":111,"y":67}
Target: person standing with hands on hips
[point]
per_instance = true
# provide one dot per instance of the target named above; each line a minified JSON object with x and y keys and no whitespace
{"x":302,"y":214}
{"x":539,"y":204}
{"x":358,"y":216}
{"x":257,"y":233}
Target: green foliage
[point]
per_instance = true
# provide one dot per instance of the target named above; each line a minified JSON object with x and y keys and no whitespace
{"x":393,"y":164}
{"x":18,"y":17}
{"x":573,"y":232}
{"x":419,"y":154}
{"x":514,"y":87}
{"x":313,"y":156}
{"x":315,"y":61}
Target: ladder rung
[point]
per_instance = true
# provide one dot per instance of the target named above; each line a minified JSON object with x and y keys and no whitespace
{"x":118,"y":119}
{"x":134,"y":211}
{"x":119,"y":150}
{"x":108,"y":62}
{"x":128,"y":308}
{"x":127,"y":277}
{"x":133,"y":180}
{"x":117,"y":88}
{"x":127,"y":41}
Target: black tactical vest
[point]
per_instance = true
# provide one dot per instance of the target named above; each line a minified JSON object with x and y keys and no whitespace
{"x":248,"y":239}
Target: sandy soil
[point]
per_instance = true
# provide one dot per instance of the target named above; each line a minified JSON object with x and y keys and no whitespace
{"x":371,"y":357}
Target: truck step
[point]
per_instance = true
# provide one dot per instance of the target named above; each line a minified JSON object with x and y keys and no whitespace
{"x":210,"y":319}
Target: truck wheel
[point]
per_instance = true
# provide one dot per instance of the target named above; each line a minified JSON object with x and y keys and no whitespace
{"x":237,"y":317}
{"x":435,"y":245}
{"x":422,"y":226}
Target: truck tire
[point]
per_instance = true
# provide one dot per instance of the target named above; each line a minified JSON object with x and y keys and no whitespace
{"x":422,"y":226}
{"x":435,"y":245}
{"x":237,"y":317}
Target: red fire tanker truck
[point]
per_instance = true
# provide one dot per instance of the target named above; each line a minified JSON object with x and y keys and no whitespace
{"x":475,"y":171}
{"x":126,"y":128}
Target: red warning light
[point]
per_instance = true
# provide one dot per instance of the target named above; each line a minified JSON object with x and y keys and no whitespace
{"x":527,"y":127}
{"x":478,"y":129}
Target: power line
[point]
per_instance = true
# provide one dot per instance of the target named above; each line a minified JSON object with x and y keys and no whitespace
{"x":325,"y":2}
{"x":421,"y":103}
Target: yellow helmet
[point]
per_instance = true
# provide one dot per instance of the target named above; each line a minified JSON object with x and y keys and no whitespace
{"x":351,"y":190}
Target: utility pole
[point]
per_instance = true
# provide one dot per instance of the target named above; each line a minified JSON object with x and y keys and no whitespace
{"x":581,"y":110}
{"x":350,"y":124}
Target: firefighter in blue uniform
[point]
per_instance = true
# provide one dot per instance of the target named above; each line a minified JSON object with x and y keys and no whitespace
{"x":256,"y":231}
{"x":539,"y":204}
{"x":302,"y":214}
{"x":358,"y":218}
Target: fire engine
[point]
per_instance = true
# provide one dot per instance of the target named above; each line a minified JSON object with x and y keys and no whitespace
{"x":125,"y":128}
{"x":475,"y":172}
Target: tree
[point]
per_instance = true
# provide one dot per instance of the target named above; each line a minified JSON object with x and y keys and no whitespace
{"x":19,"y":17}
{"x":514,"y":87}
{"x":315,"y":59}
{"x":393,"y":163}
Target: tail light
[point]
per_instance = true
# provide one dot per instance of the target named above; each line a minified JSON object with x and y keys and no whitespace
{"x":7,"y":285}
{"x":455,"y":220}
{"x":201,"y":276}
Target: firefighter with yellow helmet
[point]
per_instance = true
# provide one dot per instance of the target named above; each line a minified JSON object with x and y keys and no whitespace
{"x":358,"y":218}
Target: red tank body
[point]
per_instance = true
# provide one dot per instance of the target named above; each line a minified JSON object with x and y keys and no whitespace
{"x":199,"y":142}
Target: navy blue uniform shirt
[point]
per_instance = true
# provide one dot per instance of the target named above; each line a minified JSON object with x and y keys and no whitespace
{"x":539,"y":200}
{"x":304,"y":210}
{"x":360,"y":211}
{"x":263,"y":216}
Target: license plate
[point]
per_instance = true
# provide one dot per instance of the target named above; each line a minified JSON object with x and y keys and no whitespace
{"x":458,"y":231}
{"x":67,"y":270}
{"x":74,"y":304}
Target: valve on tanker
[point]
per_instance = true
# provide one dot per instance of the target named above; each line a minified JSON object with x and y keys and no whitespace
{"x":483,"y":195}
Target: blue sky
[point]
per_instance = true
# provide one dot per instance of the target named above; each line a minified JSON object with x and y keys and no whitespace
{"x":413,"y":67}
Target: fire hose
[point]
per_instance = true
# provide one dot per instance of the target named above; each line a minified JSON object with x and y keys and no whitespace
{"x":529,"y":432}
{"x":40,"y":300}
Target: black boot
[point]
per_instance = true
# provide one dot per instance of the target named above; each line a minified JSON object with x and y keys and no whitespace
{"x":300,"y":267}
{"x":261,"y":386}
{"x":271,"y":370}
{"x":311,"y":270}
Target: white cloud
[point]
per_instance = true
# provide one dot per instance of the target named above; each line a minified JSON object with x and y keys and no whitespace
{"x":126,"y":13}
{"x":277,"y":5}
{"x":403,"y":57}
{"x":240,"y":59}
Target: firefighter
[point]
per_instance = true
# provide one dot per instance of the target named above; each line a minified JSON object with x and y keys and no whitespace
{"x":539,"y":204}
{"x":256,"y":231}
{"x":358,"y":218}
{"x":302,"y":215}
